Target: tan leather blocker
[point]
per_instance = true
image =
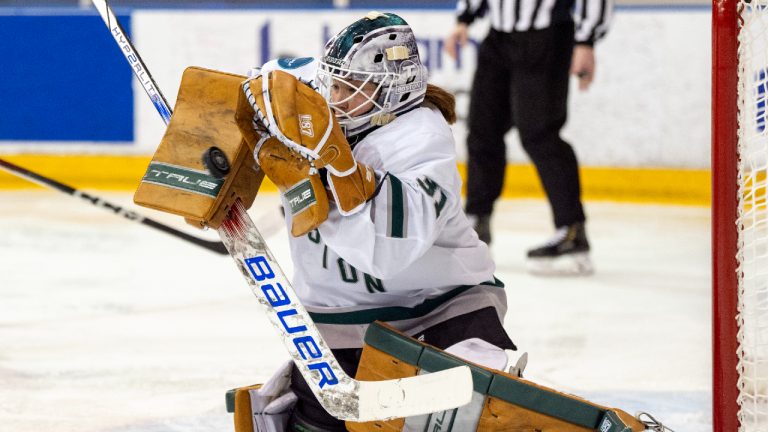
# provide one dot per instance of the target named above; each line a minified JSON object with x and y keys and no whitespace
{"x":176,"y":180}
{"x":300,"y":118}
{"x":501,"y":402}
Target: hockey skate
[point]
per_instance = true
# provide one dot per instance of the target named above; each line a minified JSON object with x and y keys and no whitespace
{"x":565,"y":254}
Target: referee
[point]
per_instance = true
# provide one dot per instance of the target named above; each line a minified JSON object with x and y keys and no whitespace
{"x":521,"y":80}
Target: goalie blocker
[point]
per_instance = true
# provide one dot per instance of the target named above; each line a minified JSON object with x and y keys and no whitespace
{"x":500,"y":402}
{"x":176,"y":180}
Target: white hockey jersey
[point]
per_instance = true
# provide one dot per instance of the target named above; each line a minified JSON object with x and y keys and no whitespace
{"x":410,"y":257}
{"x":409,"y":253}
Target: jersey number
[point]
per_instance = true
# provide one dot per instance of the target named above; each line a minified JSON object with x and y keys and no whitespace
{"x":431,"y":188}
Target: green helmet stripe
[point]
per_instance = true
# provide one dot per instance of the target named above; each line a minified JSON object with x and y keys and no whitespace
{"x":344,"y":41}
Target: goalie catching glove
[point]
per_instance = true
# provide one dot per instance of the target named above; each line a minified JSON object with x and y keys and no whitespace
{"x":298,"y":182}
{"x":299,"y":117}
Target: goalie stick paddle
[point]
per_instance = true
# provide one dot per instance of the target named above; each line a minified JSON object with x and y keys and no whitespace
{"x":342,"y":396}
{"x":212,"y":246}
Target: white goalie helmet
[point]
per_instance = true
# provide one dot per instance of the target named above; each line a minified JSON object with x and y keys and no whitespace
{"x":375,"y":58}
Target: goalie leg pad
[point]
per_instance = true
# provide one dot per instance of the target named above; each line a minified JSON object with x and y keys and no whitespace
{"x":500,"y":401}
{"x":263,"y":407}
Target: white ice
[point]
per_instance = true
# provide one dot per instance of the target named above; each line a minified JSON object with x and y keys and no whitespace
{"x":108,"y":325}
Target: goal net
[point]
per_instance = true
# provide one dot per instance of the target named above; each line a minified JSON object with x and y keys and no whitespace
{"x":740,"y":215}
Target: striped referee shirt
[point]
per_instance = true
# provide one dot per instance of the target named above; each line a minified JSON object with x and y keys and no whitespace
{"x":591,"y":17}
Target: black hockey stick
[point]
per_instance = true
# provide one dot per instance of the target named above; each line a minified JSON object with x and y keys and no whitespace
{"x":213,"y":246}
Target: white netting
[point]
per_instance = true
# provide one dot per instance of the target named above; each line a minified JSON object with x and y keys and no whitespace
{"x":753,"y":216}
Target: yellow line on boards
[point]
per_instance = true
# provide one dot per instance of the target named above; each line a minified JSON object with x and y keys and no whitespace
{"x":640,"y":185}
{"x":647,"y":185}
{"x":103,"y":172}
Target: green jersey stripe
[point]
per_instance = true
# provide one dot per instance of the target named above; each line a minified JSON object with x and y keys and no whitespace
{"x":394,"y":313}
{"x":397,"y":209}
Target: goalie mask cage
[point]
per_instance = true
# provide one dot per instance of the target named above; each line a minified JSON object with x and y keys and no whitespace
{"x":739,"y":215}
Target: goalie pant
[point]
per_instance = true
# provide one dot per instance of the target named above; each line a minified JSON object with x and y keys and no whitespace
{"x":274,"y":406}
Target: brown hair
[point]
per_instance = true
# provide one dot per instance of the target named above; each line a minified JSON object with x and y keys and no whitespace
{"x":442,"y":100}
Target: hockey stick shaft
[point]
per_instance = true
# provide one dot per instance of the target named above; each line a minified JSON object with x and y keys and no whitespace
{"x":342,"y":396}
{"x":150,"y":87}
{"x":138,"y":67}
{"x":213,"y":246}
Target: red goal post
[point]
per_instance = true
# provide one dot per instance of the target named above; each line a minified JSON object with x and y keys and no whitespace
{"x":739,"y":215}
{"x":724,"y":213}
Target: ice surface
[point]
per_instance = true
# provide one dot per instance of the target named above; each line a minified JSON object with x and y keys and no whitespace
{"x":108,"y":325}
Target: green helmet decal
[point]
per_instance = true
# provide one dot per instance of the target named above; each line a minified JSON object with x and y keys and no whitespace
{"x":338,"y":47}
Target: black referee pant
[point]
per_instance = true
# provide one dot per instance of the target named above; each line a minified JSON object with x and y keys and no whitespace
{"x":523,"y":75}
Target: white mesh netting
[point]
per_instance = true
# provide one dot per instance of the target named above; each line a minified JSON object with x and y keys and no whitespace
{"x":753,"y":216}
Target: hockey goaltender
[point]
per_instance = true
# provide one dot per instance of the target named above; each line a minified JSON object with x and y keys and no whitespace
{"x":391,"y":284}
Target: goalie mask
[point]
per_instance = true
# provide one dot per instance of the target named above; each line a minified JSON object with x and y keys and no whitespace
{"x":371,"y":72}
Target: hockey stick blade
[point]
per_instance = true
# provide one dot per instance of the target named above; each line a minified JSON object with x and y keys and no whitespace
{"x":342,"y":396}
{"x":422,"y":394}
{"x":33,"y":177}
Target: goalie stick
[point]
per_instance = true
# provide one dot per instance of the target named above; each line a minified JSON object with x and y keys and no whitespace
{"x":342,"y":396}
{"x":212,"y":246}
{"x":134,"y":60}
{"x":159,"y":102}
